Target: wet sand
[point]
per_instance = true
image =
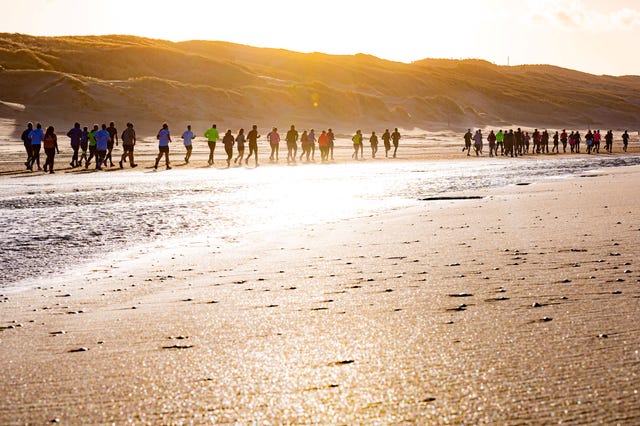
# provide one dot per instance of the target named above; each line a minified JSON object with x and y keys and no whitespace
{"x":517,"y":307}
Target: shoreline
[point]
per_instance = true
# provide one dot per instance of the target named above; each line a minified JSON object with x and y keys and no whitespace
{"x":131,"y":248}
{"x":464,"y":311}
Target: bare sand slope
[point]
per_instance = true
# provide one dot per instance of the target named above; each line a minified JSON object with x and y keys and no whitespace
{"x":126,"y":78}
{"x":519,"y":307}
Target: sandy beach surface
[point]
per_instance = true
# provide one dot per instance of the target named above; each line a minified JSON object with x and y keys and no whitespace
{"x":520,"y":306}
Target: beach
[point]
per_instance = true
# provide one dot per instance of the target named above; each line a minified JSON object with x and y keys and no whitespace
{"x":508,"y":303}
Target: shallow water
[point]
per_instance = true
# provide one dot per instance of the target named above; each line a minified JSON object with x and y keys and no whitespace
{"x":52,"y":224}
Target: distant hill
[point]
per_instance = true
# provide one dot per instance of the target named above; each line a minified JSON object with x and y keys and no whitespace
{"x":121,"y":78}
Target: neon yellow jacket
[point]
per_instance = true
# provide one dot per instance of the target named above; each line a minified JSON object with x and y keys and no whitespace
{"x":212,"y":135}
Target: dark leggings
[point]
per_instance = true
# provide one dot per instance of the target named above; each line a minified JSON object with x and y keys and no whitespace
{"x":127,"y":151}
{"x":74,"y":159}
{"x":100,"y":156}
{"x":92,"y":153}
{"x":51,"y":154}
{"x":212,"y":148}
{"x":35,"y":155}
{"x":109,"y":155}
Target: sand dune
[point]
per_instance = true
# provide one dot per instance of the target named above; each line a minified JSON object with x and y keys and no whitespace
{"x":124,"y":78}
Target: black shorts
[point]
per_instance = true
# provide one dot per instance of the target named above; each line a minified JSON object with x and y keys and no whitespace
{"x":127,"y":148}
{"x":163,"y":149}
{"x":109,"y":145}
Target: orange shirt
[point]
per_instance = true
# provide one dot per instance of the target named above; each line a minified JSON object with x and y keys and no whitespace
{"x":323,"y":140}
{"x":50,"y":141}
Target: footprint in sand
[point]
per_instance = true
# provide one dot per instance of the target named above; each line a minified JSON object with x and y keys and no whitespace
{"x":459,"y":308}
{"x":460,"y":295}
{"x":496,"y":299}
{"x":178,"y":347}
{"x":339,"y":363}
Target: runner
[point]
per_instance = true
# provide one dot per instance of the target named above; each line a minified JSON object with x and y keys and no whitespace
{"x":113,"y":137}
{"x":332,"y":138}
{"x":608,"y":140}
{"x":596,"y":141}
{"x":164,"y":137}
{"x":357,"y":144}
{"x":509,"y":141}
{"x":395,"y":137}
{"x":386,"y":138}
{"x":75,"y":134}
{"x":102,"y":145}
{"x":253,"y":137}
{"x":467,"y":142}
{"x":545,"y":142}
{"x":128,"y":143}
{"x":50,"y":143}
{"x":228,"y":141}
{"x":563,"y":139}
{"x":572,"y":142}
{"x":519,"y":141}
{"x":92,"y":145}
{"x":556,"y":140}
{"x":27,"y":143}
{"x":84,"y":145}
{"x":292,"y":144}
{"x":187,"y":138}
{"x":477,"y":142}
{"x":36,"y":136}
{"x":500,"y":142}
{"x":576,"y":141}
{"x":240,"y":139}
{"x":323,"y":144}
{"x":492,"y":143}
{"x":625,"y":140}
{"x":537,"y":140}
{"x":589,"y":140}
{"x":274,"y":142}
{"x":373,"y":140}
{"x":312,"y":144}
{"x":212,"y":136}
{"x":304,"y":142}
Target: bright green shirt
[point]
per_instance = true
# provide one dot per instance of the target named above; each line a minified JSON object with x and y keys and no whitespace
{"x":212,"y":135}
{"x":499,"y":137}
{"x":92,"y":139}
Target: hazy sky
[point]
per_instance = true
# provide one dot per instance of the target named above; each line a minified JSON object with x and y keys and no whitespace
{"x":597,"y":36}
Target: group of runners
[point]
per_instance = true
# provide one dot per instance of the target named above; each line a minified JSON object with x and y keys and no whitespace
{"x":98,"y":143}
{"x":517,"y":143}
